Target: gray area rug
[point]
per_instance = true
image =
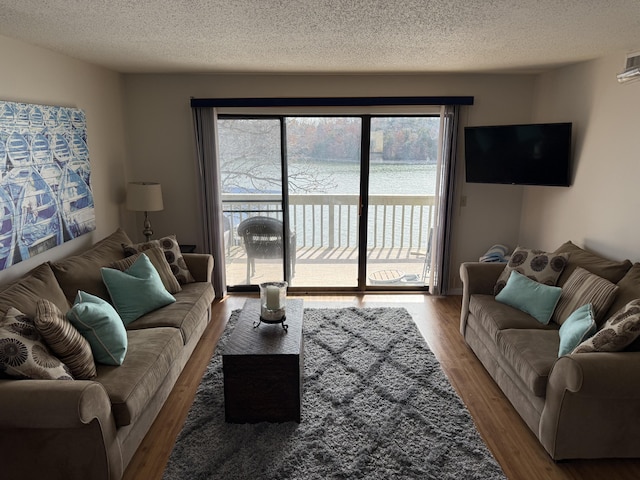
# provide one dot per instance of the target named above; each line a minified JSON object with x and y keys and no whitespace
{"x":376,"y":404}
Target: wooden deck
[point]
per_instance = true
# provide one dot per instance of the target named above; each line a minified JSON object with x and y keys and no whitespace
{"x":333,"y":267}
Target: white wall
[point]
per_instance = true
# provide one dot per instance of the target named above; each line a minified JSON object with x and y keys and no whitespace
{"x":600,"y":210}
{"x":155,"y":121}
{"x":488,"y":217}
{"x":35,"y":75}
{"x":161,"y":146}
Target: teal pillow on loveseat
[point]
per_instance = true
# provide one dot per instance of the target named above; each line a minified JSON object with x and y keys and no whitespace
{"x":576,"y":329}
{"x":532,"y":297}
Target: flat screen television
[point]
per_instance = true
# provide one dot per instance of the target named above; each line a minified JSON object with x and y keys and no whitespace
{"x":534,"y":154}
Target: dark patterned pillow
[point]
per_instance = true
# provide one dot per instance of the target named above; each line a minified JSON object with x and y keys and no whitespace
{"x":617,"y":333}
{"x":172,"y":253}
{"x":540,"y":266}
{"x":23,"y":353}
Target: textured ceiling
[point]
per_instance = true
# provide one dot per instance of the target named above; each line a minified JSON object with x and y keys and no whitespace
{"x":326,"y":36}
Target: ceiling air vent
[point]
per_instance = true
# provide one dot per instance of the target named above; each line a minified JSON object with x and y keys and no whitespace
{"x":631,"y":68}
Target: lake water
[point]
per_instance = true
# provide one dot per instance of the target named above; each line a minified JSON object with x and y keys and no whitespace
{"x":384,"y":178}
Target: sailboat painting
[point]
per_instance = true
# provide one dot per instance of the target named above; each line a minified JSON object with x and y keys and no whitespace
{"x":7,"y":232}
{"x":45,"y":179}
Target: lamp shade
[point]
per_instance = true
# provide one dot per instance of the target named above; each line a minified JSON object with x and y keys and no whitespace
{"x":144,"y":197}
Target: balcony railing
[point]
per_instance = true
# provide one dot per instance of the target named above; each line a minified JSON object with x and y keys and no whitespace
{"x":331,"y":221}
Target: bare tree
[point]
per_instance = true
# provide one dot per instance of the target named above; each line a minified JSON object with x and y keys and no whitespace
{"x":250,"y":157}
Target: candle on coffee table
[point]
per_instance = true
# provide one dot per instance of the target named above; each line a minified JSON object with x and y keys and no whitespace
{"x":273,"y":297}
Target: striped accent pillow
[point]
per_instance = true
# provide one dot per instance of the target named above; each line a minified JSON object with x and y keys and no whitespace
{"x":583,"y":287}
{"x":64,"y":340}
{"x":159,"y":261}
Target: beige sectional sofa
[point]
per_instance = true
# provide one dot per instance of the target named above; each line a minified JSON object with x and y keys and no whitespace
{"x":579,"y":405}
{"x":90,"y":429}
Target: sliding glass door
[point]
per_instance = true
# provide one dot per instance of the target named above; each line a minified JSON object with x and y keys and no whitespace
{"x":253,"y":192}
{"x":319,"y":176}
{"x":323,"y":163}
{"x":403,"y":163}
{"x":328,"y":202}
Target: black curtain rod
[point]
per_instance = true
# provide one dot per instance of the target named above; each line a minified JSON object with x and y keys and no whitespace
{"x":329,"y":101}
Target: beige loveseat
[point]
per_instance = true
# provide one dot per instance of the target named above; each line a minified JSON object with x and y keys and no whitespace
{"x":90,"y":429}
{"x":581,"y":405}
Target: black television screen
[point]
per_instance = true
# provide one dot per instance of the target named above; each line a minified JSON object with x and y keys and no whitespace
{"x":535,"y":154}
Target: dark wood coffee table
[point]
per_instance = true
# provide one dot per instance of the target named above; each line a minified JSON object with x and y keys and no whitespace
{"x":263,"y":367}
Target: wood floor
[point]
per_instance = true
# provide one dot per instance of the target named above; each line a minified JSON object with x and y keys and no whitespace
{"x":508,"y":438}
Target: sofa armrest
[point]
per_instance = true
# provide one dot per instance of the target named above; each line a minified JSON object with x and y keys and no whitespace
{"x":52,"y":404}
{"x":591,"y":406}
{"x":477,"y":277}
{"x":200,"y":265}
{"x":599,"y":373}
{"x":66,"y":425}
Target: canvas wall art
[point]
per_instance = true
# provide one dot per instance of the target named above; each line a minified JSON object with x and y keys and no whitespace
{"x":45,"y":187}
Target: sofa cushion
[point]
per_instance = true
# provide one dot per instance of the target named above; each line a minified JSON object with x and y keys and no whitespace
{"x":23,"y":353}
{"x":628,"y":289}
{"x":617,"y":333}
{"x":159,"y":261}
{"x":137,"y":290}
{"x":24,"y":293}
{"x":525,"y":294}
{"x":537,"y":265}
{"x":171,"y":248}
{"x":494,"y":316}
{"x":603,"y":267}
{"x":581,"y":288}
{"x":531,"y":354}
{"x":576,"y":329}
{"x":100,"y":324}
{"x":186,"y":313}
{"x":82,"y":272}
{"x":130,"y":386}
{"x":65,"y":341}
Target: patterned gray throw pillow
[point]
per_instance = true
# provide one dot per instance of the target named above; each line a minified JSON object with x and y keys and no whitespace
{"x":23,"y":353}
{"x":617,"y":333}
{"x":171,"y":249}
{"x":543,"y":267}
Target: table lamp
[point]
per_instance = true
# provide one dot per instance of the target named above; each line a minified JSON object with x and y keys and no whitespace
{"x":145,"y":197}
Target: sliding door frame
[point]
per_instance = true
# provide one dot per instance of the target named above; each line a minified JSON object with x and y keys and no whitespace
{"x":318,"y":103}
{"x":363,"y":202}
{"x":361,"y":284}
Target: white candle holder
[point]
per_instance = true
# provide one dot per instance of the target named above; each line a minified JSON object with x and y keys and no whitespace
{"x":273,"y":300}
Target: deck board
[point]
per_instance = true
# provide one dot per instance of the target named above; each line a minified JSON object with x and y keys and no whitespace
{"x":335,"y":267}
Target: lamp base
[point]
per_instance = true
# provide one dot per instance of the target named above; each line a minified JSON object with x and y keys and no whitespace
{"x":147,"y":232}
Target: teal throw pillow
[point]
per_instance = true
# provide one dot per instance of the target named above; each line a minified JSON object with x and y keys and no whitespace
{"x":536,"y":299}
{"x":137,"y":290}
{"x":100,"y":324}
{"x":578,"y":327}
